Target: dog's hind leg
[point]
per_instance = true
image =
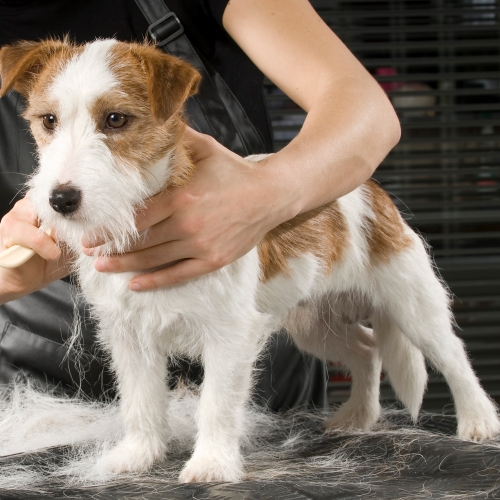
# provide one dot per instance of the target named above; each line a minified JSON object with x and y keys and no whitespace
{"x":411,"y":297}
{"x":142,"y":385}
{"x":356,"y":348}
{"x":359,"y":353}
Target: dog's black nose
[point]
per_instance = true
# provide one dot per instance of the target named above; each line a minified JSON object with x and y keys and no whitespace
{"x":65,"y":199}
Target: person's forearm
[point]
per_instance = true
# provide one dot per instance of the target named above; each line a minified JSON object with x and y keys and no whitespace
{"x":340,"y":145}
{"x":351,"y":125}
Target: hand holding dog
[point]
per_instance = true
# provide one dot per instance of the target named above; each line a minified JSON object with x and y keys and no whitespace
{"x":20,"y":227}
{"x":218,"y":217}
{"x":231,"y":204}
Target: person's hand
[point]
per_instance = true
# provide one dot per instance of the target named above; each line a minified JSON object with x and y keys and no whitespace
{"x":20,"y":227}
{"x":221,"y":214}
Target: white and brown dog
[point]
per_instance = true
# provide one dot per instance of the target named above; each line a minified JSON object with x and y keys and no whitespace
{"x":107,"y":119}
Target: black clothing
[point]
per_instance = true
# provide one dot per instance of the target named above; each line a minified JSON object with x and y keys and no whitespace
{"x":34,"y":328}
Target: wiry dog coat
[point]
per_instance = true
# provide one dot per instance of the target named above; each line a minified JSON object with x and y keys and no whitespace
{"x":107,"y":119}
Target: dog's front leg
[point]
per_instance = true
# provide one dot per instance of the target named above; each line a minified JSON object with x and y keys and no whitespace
{"x":141,"y":372}
{"x":228,"y":364}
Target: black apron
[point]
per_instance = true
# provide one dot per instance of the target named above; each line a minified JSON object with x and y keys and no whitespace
{"x":34,"y":329}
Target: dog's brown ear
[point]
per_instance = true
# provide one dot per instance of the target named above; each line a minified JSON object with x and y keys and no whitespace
{"x":170,"y":81}
{"x":20,"y":63}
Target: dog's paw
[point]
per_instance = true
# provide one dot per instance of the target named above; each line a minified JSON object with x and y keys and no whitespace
{"x":353,"y":417}
{"x":480,"y":427}
{"x":132,"y":455}
{"x":206,"y":468}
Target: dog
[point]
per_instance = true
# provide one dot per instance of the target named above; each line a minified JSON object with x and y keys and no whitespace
{"x":107,"y":120}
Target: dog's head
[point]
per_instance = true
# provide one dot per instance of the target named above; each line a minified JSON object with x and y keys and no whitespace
{"x":107,"y":120}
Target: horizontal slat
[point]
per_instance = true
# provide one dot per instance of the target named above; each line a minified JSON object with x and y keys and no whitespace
{"x":463,"y":236}
{"x":366,"y":48}
{"x":492,"y":155}
{"x":464,"y":92}
{"x":470,"y":142}
{"x":469,"y":332}
{"x":438,"y":77}
{"x":449,"y":124}
{"x":331,"y":11}
{"x":435,"y":27}
{"x":456,"y":187}
{"x":456,"y":109}
{"x":470,"y":216}
{"x":414,"y":209}
{"x":427,"y":60}
{"x":471,"y":251}
{"x":384,"y":172}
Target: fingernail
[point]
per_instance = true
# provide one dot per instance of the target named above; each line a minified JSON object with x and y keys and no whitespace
{"x":135,"y":287}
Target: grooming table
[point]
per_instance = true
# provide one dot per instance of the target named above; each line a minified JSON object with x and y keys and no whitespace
{"x":425,"y":461}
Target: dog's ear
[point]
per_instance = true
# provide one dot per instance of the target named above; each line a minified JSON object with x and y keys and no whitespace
{"x":170,"y":80}
{"x":21,"y":63}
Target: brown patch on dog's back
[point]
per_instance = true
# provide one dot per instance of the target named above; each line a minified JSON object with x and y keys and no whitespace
{"x":387,"y":232}
{"x":322,"y":232}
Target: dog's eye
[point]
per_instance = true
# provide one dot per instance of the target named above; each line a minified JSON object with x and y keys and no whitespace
{"x":49,"y":121}
{"x":116,"y":120}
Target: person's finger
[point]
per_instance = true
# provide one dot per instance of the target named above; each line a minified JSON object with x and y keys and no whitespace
{"x":90,"y":242}
{"x":29,"y":236}
{"x":156,"y":209}
{"x":183,"y":271}
{"x":141,"y":260}
{"x":165,"y":231}
{"x":200,"y":145}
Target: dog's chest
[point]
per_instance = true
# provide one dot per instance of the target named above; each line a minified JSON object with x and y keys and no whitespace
{"x":180,"y":314}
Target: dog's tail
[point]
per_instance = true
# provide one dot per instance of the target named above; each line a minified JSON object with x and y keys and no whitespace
{"x":403,"y":363}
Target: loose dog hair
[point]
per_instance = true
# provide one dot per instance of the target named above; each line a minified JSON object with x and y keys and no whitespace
{"x":107,"y":119}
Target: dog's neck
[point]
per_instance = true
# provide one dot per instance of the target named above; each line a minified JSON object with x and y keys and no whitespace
{"x":174,"y":169}
{"x":177,"y":167}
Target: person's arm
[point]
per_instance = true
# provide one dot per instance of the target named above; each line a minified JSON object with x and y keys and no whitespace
{"x":350,"y":125}
{"x":231,"y":204}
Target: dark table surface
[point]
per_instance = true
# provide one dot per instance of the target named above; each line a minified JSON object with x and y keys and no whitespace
{"x":398,"y":461}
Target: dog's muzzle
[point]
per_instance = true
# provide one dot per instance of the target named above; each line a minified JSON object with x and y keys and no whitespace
{"x":65,"y":199}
